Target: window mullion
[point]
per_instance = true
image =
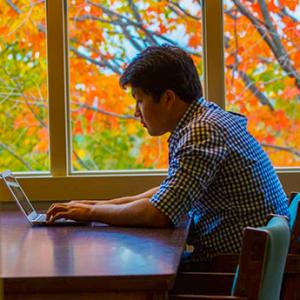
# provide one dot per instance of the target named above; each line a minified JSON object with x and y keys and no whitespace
{"x":213,"y":43}
{"x":58,"y":86}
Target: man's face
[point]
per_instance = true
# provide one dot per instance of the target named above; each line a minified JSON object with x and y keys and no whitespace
{"x":153,"y":115}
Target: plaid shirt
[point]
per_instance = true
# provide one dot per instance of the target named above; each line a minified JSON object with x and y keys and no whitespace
{"x":219,"y":174}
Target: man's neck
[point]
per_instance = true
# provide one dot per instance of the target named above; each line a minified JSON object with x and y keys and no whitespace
{"x":179,"y":110}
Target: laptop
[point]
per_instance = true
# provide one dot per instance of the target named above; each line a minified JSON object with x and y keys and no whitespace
{"x":26,"y":207}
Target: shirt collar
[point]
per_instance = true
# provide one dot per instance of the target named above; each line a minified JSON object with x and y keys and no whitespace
{"x":188,"y":114}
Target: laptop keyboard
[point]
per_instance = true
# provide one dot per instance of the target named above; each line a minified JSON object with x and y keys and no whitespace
{"x":40,"y":218}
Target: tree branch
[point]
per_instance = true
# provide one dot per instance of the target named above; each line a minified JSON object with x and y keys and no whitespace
{"x":270,"y":36}
{"x":105,"y":112}
{"x":19,"y":87}
{"x":103,"y":63}
{"x":120,"y":21}
{"x":81,"y":162}
{"x":15,"y":155}
{"x":282,"y":148}
{"x":285,"y":13}
{"x":135,"y":12}
{"x":173,"y":4}
{"x":255,"y":91}
{"x":148,"y":34}
{"x":14,"y":7}
{"x":279,"y":51}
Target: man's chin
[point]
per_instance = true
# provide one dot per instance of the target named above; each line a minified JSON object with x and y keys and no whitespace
{"x":154,"y":133}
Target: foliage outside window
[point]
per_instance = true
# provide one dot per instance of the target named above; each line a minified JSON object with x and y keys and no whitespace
{"x":104,"y":37}
{"x":262,"y":73}
{"x":262,"y":41}
{"x":24,"y":144}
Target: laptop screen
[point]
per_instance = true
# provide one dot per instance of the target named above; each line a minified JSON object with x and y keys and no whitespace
{"x":19,"y":194}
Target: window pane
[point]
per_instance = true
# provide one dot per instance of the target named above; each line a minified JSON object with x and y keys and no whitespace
{"x":262,"y":40}
{"x":104,"y":37}
{"x":23,"y":86}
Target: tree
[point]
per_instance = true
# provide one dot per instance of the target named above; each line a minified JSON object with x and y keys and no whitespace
{"x":262,"y":42}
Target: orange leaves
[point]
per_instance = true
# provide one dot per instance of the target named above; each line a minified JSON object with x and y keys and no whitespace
{"x":291,"y":92}
{"x":291,"y":4}
{"x":261,"y":76}
{"x":99,"y":106}
{"x":101,"y":95}
{"x":195,"y":40}
{"x":280,"y":120}
{"x":77,"y":129}
{"x":23,"y":23}
{"x":153,"y":153}
{"x":230,"y":60}
{"x":4,"y":30}
{"x":273,"y":7}
{"x":43,"y":143}
{"x":25,"y":119}
{"x":157,"y":7}
{"x":162,"y":29}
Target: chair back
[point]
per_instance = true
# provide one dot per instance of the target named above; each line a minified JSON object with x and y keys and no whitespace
{"x":294,"y":210}
{"x":262,"y":260}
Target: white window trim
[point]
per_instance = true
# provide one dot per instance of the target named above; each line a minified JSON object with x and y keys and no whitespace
{"x":58,"y":86}
{"x":60,"y":183}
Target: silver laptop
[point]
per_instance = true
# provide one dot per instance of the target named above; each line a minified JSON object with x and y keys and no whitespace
{"x":25,"y":205}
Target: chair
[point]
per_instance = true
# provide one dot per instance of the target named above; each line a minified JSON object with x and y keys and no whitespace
{"x":294,"y":209}
{"x":291,"y":280}
{"x":227,"y":262}
{"x":261,"y":264}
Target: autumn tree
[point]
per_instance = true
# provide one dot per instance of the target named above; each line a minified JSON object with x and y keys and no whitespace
{"x":261,"y":40}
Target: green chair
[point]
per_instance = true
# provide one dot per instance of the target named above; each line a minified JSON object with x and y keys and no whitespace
{"x":291,"y":280}
{"x":227,"y":262}
{"x":261,"y":264}
{"x":294,"y":209}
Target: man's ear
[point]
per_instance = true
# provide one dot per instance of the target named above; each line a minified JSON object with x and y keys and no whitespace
{"x":169,"y":98}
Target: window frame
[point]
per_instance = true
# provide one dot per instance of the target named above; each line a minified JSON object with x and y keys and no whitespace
{"x":60,"y":183}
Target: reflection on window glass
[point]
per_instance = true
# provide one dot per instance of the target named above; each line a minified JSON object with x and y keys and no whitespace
{"x":262,"y":40}
{"x":104,"y":37}
{"x":23,"y":86}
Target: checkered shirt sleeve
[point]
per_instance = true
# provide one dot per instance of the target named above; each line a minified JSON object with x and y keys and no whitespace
{"x":193,"y":163}
{"x":220,"y":174}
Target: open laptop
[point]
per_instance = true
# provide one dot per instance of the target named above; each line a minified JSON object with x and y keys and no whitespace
{"x":25,"y":205}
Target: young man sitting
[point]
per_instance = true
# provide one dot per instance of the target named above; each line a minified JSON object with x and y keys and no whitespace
{"x":218,"y":173}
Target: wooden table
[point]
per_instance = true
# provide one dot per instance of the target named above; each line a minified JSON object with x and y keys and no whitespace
{"x":87,"y":262}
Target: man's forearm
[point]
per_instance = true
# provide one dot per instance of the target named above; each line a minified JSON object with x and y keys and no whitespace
{"x":123,"y":200}
{"x":135,"y":213}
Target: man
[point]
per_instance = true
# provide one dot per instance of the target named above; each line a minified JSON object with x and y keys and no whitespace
{"x":218,"y":173}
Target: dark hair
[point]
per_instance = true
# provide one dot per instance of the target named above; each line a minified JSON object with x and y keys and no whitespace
{"x":158,"y":68}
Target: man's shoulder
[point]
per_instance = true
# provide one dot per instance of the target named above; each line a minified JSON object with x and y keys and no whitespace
{"x":200,"y":125}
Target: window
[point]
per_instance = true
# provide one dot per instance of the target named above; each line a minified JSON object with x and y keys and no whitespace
{"x":103,"y":37}
{"x":262,"y":73}
{"x":88,"y":43}
{"x":24,"y":143}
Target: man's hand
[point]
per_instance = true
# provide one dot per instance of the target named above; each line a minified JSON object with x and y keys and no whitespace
{"x":72,"y":210}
